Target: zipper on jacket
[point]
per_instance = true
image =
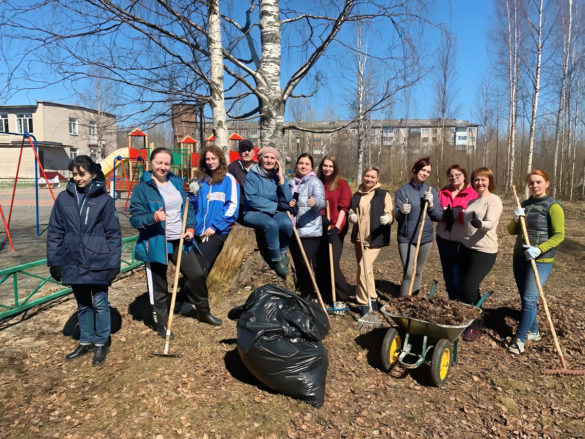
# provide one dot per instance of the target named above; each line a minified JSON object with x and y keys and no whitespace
{"x":86,"y":215}
{"x":207,"y":207}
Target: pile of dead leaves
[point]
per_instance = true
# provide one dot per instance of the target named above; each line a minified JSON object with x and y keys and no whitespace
{"x":433,"y":309}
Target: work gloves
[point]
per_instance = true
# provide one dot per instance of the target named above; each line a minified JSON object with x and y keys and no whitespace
{"x":428,"y":197}
{"x":193,"y":186}
{"x":55,"y":273}
{"x":531,"y":252}
{"x":353,"y":218}
{"x":518,"y":212}
{"x":405,"y":208}
{"x":332,"y":235}
{"x":385,"y":219}
{"x":475,"y":222}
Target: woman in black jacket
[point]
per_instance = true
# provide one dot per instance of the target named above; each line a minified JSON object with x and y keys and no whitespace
{"x":83,"y":250}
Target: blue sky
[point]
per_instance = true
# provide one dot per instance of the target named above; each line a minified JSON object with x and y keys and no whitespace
{"x":469,"y":20}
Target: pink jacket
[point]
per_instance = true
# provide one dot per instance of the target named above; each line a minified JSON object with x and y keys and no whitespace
{"x":458,"y":204}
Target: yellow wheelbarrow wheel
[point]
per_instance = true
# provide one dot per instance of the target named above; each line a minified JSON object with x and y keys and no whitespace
{"x":441,"y":362}
{"x":391,"y":348}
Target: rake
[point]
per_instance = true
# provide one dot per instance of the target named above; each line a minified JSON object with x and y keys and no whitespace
{"x":369,"y":320}
{"x":564,"y":370}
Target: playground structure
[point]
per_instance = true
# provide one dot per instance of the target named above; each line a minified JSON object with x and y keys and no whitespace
{"x":38,"y":166}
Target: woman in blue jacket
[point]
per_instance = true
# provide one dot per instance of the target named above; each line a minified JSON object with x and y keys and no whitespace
{"x":216,"y":205}
{"x":265,"y":186}
{"x":83,"y":250}
{"x":156,"y":210}
{"x":308,"y":200}
{"x":409,"y":202}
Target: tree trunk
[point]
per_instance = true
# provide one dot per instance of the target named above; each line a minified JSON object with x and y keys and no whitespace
{"x":536,"y":90}
{"x":562,"y":98}
{"x":216,"y":77}
{"x":271,"y":100}
{"x":513,"y":84}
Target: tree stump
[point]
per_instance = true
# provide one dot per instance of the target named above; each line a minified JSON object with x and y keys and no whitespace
{"x":241,"y":263}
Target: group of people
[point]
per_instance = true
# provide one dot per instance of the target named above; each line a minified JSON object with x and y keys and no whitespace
{"x":84,"y":239}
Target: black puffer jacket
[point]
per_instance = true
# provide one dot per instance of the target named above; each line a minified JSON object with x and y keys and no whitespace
{"x":84,"y":239}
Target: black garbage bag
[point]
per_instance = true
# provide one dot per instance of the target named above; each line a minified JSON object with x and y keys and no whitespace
{"x":279,"y":341}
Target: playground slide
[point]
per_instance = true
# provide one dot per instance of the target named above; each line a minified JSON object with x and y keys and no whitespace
{"x":108,"y":163}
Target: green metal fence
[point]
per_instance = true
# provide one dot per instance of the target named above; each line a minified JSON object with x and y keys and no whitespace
{"x":32,"y":294}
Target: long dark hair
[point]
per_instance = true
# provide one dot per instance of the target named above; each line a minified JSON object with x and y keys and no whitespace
{"x":205,"y":173}
{"x":85,"y":162}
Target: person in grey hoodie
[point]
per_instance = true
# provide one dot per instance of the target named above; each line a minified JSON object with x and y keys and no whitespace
{"x":409,"y":202}
{"x":308,"y":200}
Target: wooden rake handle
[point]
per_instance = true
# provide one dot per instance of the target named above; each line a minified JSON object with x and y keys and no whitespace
{"x":177,"y":272}
{"x":539,"y":284}
{"x":331,"y":271}
{"x":308,"y":265}
{"x":419,"y":237}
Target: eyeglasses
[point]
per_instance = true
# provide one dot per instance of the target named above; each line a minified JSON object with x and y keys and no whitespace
{"x":454,"y":176}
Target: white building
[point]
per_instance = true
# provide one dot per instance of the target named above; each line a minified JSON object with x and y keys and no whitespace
{"x":62,"y":132}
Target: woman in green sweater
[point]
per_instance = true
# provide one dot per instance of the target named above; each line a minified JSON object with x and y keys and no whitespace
{"x":545,"y":221}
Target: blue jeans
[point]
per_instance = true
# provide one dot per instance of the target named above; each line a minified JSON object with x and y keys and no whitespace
{"x":277,"y":229}
{"x":93,"y":313}
{"x":448,"y":254}
{"x":529,"y":292}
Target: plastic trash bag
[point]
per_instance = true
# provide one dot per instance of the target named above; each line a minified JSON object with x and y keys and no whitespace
{"x":279,"y":341}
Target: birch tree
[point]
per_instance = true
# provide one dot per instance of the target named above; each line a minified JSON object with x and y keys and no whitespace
{"x":216,"y":90}
{"x":567,"y":31}
{"x":537,"y":34}
{"x":512,"y":46}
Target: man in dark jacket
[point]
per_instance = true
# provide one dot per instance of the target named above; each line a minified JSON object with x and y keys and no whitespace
{"x":240,"y":168}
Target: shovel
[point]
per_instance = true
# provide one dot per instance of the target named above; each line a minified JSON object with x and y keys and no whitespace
{"x":165,"y":352}
{"x":564,"y":370}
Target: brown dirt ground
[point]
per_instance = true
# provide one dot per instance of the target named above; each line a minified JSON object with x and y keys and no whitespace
{"x":208,"y":394}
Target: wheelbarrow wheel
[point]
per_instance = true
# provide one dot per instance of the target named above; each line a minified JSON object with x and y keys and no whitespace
{"x":441,"y":362}
{"x":391,"y":348}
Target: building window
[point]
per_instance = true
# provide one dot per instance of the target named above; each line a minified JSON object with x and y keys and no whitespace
{"x":92,"y":129}
{"x":425,"y":139}
{"x":73,"y":126}
{"x":460,"y":147}
{"x":4,"y":123}
{"x":253,"y":133}
{"x":24,"y":123}
{"x":93,"y":154}
{"x":470,"y":130}
{"x":461,"y":138}
{"x":72,"y":153}
{"x":434,"y":140}
{"x":425,"y":131}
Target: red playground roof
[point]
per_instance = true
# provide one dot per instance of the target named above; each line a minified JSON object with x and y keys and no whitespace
{"x":210,"y":138}
{"x":236,"y":136}
{"x":137,"y":132}
{"x":189,"y":139}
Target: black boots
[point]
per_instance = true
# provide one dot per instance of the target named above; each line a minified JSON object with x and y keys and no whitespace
{"x":162,"y":332}
{"x":99,"y":355}
{"x":80,"y":350}
{"x":99,"y":352}
{"x":205,"y":316}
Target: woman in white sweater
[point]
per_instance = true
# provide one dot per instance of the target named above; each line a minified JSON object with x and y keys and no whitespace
{"x":479,"y":247}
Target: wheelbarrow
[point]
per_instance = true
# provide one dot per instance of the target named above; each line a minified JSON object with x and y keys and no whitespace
{"x":416,"y":342}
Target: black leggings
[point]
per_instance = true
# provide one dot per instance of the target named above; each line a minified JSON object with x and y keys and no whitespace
{"x":195,"y":286}
{"x":210,"y":250}
{"x":311,"y":247}
{"x":473,"y":267}
{"x":342,"y":289}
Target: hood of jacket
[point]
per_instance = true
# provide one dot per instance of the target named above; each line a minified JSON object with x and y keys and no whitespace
{"x":362,"y":188}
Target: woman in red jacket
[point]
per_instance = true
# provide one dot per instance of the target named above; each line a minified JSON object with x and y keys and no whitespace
{"x":450,"y":231}
{"x":338,"y":195}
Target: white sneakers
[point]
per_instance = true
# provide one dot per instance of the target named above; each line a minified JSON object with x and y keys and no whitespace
{"x":533,"y":336}
{"x":516,"y":347}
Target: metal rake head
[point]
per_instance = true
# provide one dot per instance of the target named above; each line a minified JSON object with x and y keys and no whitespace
{"x":368,"y":322}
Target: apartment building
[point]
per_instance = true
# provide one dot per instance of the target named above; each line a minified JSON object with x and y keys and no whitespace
{"x":62,"y":132}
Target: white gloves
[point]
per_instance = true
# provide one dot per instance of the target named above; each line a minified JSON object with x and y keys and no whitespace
{"x":405,"y":208}
{"x":531,"y":252}
{"x":193,"y":186}
{"x":353,"y":217}
{"x":385,"y":219}
{"x":518,"y":212}
{"x":428,"y":197}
